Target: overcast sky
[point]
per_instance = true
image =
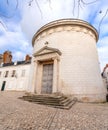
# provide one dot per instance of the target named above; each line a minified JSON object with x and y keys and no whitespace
{"x":19,"y":23}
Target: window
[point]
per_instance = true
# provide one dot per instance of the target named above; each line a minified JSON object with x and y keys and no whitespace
{"x":6,"y":74}
{"x":23,"y":73}
{"x":13,"y":73}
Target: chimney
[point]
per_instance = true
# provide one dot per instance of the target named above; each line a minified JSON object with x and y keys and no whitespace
{"x":1,"y":58}
{"x":27,"y":58}
{"x":7,"y":57}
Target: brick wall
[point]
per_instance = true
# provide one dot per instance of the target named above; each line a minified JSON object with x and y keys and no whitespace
{"x":7,"y":57}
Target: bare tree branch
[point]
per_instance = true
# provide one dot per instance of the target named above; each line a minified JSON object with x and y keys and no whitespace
{"x":102,"y":20}
{"x":3,"y":25}
{"x":92,"y":2}
{"x":80,"y":5}
{"x":30,"y":2}
{"x":38,"y":7}
{"x":14,"y":11}
{"x":78,"y":8}
{"x":36,"y":1}
{"x":49,"y":1}
{"x":16,"y":4}
{"x":8,"y":2}
{"x":73,"y":7}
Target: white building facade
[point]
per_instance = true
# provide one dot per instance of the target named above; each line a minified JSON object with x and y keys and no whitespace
{"x":14,"y":77}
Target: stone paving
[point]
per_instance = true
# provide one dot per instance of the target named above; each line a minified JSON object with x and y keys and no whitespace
{"x":16,"y":114}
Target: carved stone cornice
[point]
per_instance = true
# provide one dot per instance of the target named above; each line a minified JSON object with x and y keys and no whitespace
{"x":66,"y":25}
{"x":47,"y":50}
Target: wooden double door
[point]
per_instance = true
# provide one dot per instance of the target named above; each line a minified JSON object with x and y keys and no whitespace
{"x":47,"y":79}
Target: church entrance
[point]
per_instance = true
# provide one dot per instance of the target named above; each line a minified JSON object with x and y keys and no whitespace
{"x":47,"y":79}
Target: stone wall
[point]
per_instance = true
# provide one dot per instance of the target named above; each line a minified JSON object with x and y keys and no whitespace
{"x":79,"y":70}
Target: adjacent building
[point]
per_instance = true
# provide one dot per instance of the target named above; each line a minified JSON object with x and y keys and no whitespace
{"x":14,"y":75}
{"x":105,"y":75}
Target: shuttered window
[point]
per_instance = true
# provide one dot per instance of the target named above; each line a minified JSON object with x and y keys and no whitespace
{"x":13,"y":73}
{"x":6,"y":74}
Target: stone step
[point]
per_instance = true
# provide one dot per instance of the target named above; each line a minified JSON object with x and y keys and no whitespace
{"x":34,"y":98}
{"x":69,"y":105}
{"x":58,"y":101}
{"x":53,"y":104}
{"x":44,"y":99}
{"x":65,"y":106}
{"x":50,"y":98}
{"x":48,"y":101}
{"x":65,"y":100}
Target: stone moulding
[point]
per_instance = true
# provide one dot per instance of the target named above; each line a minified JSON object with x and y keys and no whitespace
{"x":46,"y":50}
{"x":65,"y":25}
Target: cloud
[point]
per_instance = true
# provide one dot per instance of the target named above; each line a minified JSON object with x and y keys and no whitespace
{"x":34,"y":16}
{"x":103,"y":51}
{"x":15,"y":41}
{"x":11,"y":36}
{"x":18,"y":55}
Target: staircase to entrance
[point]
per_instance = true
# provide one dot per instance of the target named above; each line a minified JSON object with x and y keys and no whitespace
{"x":57,"y":101}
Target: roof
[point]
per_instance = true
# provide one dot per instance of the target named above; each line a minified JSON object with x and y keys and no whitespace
{"x":16,"y":63}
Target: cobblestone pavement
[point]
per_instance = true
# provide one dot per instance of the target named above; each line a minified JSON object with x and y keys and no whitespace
{"x":16,"y":114}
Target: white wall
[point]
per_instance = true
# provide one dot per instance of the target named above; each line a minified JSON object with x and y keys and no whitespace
{"x":19,"y":82}
{"x":79,"y":66}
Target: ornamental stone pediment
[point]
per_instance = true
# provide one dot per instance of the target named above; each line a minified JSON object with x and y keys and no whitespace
{"x":47,"y":50}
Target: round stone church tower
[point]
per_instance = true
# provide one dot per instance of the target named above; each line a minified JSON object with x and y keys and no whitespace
{"x":65,"y":60}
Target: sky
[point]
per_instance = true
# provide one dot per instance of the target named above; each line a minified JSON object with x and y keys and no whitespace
{"x":19,"y":21}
